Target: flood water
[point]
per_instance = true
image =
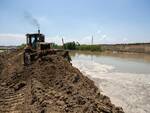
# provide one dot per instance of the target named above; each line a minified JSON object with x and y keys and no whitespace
{"x":124,"y":77}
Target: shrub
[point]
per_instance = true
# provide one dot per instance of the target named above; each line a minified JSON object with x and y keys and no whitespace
{"x":89,"y":47}
{"x":70,"y":45}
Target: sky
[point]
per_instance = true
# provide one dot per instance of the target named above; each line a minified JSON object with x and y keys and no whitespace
{"x":108,"y":21}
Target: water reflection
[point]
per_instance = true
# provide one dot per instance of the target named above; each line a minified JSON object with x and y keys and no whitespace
{"x":123,"y":62}
{"x":123,"y":55}
{"x":124,"y":77}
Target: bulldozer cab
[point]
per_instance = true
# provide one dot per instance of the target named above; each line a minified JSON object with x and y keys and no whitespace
{"x":34,"y":39}
{"x":37,"y":47}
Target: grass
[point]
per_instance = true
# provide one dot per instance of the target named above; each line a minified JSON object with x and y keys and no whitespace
{"x":89,"y":48}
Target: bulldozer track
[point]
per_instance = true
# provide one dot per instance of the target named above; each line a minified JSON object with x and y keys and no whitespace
{"x":11,"y":103}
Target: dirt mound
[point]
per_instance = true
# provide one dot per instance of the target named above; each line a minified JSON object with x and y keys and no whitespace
{"x":50,"y":85}
{"x":1,"y":63}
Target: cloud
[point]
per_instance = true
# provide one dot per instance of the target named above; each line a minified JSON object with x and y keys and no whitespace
{"x":8,"y":35}
{"x":58,"y":39}
{"x":104,"y":36}
{"x":85,"y":40}
{"x":17,"y":39}
{"x":125,"y":40}
{"x":97,"y":39}
{"x":98,"y":31}
{"x":12,"y":39}
{"x":54,"y":39}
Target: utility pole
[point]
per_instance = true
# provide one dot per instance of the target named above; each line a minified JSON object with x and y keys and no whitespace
{"x":92,"y":40}
{"x":63,"y":43}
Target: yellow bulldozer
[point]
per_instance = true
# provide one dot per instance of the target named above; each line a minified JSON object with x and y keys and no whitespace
{"x":36,"y":47}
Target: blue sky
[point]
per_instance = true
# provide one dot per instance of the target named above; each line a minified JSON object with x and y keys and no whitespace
{"x":109,"y":21}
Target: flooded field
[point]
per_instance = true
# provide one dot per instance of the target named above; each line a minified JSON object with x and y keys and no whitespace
{"x":124,"y":77}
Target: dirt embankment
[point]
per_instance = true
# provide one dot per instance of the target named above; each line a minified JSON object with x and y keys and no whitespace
{"x":132,"y":47}
{"x":49,"y":85}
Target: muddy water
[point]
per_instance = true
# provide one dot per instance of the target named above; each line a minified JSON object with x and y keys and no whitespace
{"x":124,"y":77}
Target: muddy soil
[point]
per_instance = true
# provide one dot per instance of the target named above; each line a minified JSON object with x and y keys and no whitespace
{"x":50,"y":85}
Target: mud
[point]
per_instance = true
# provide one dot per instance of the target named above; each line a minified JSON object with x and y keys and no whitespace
{"x":50,"y":85}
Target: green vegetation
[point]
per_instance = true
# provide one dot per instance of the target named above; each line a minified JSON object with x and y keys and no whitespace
{"x":77,"y":46}
{"x":55,"y":46}
{"x":89,"y":47}
{"x":73,"y":46}
{"x":70,"y":45}
{"x":21,"y":46}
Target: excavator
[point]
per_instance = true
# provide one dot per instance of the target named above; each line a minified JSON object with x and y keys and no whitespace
{"x":36,"y":47}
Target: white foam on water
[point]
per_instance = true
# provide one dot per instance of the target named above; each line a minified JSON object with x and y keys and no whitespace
{"x":128,"y":90}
